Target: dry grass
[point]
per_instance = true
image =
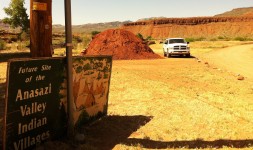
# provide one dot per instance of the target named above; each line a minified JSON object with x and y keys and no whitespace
{"x":187,"y":102}
{"x":171,"y":104}
{"x":200,"y":48}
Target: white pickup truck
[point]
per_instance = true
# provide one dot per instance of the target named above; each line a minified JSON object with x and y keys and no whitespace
{"x":176,"y":46}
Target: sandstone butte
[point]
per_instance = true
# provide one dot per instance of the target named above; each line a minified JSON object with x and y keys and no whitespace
{"x":194,"y":27}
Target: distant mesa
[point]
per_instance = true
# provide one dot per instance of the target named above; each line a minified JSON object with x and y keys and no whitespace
{"x":232,"y":24}
{"x":238,"y":12}
{"x":121,"y":44}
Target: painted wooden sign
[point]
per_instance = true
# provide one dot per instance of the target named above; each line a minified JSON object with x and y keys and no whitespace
{"x":34,"y":111}
{"x":36,"y":101}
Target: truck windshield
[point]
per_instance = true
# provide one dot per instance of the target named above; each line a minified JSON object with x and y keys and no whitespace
{"x":176,"y":41}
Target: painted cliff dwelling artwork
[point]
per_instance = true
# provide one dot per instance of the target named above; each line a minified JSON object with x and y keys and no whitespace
{"x":91,"y":80}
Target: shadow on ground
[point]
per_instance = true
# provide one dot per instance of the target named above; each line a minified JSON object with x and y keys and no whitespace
{"x":2,"y":100}
{"x":112,"y":130}
{"x":106,"y":133}
{"x":6,"y":56}
{"x":178,"y":56}
{"x":195,"y":144}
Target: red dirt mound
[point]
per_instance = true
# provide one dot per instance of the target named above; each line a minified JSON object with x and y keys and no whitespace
{"x":121,"y":44}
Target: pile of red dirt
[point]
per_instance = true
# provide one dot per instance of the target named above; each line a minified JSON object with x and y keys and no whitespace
{"x":121,"y":44}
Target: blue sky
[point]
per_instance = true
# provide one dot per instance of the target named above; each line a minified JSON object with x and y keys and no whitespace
{"x":96,"y":11}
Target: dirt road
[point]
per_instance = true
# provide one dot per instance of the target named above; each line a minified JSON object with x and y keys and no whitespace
{"x":237,"y":59}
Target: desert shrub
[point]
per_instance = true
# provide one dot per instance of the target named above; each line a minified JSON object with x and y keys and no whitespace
{"x":242,"y":39}
{"x":24,"y":36}
{"x":195,"y":39}
{"x":151,"y":42}
{"x":190,"y":39}
{"x":149,"y":38}
{"x":200,"y":39}
{"x":139,"y":35}
{"x":77,"y":38}
{"x":58,"y":43}
{"x":2,"y":45}
{"x":74,"y":43}
{"x":93,"y":33}
{"x":13,"y":39}
{"x":221,"y":37}
{"x":22,"y":45}
{"x":213,"y":39}
{"x":86,"y":41}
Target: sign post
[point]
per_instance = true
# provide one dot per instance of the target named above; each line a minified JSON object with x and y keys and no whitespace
{"x":35,"y":109}
{"x":68,"y":31}
{"x":41,"y":28}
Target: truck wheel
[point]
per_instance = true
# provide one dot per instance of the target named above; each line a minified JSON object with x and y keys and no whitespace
{"x":168,"y":55}
{"x":164,"y":54}
{"x":188,"y":55}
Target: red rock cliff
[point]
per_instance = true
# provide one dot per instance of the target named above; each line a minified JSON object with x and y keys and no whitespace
{"x":207,"y":27}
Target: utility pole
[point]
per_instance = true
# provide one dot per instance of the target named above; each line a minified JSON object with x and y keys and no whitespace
{"x":68,"y":32}
{"x":41,"y":28}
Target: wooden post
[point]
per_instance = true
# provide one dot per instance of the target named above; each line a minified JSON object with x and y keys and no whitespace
{"x":68,"y":32}
{"x":41,"y":28}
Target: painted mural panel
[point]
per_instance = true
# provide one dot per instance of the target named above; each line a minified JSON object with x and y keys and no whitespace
{"x":91,"y":80}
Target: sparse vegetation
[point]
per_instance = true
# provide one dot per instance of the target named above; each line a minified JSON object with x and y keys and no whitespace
{"x":2,"y":45}
{"x":139,"y":35}
{"x":149,"y":38}
{"x":195,"y":39}
{"x":93,"y":33}
{"x":242,"y":39}
{"x":219,"y":38}
{"x":86,"y":40}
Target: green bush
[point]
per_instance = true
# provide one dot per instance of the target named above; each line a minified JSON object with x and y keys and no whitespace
{"x":242,"y":39}
{"x":221,"y":37}
{"x":86,"y":41}
{"x":24,"y":36}
{"x":149,"y":38}
{"x":77,"y":38}
{"x":22,"y":45}
{"x":93,"y":33}
{"x":2,"y":45}
{"x":200,"y":39}
{"x":195,"y":39}
{"x":190,"y":39}
{"x":151,"y":42}
{"x":213,"y":39}
{"x":140,"y":36}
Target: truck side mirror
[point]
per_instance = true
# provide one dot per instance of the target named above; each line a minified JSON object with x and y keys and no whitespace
{"x":188,"y":42}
